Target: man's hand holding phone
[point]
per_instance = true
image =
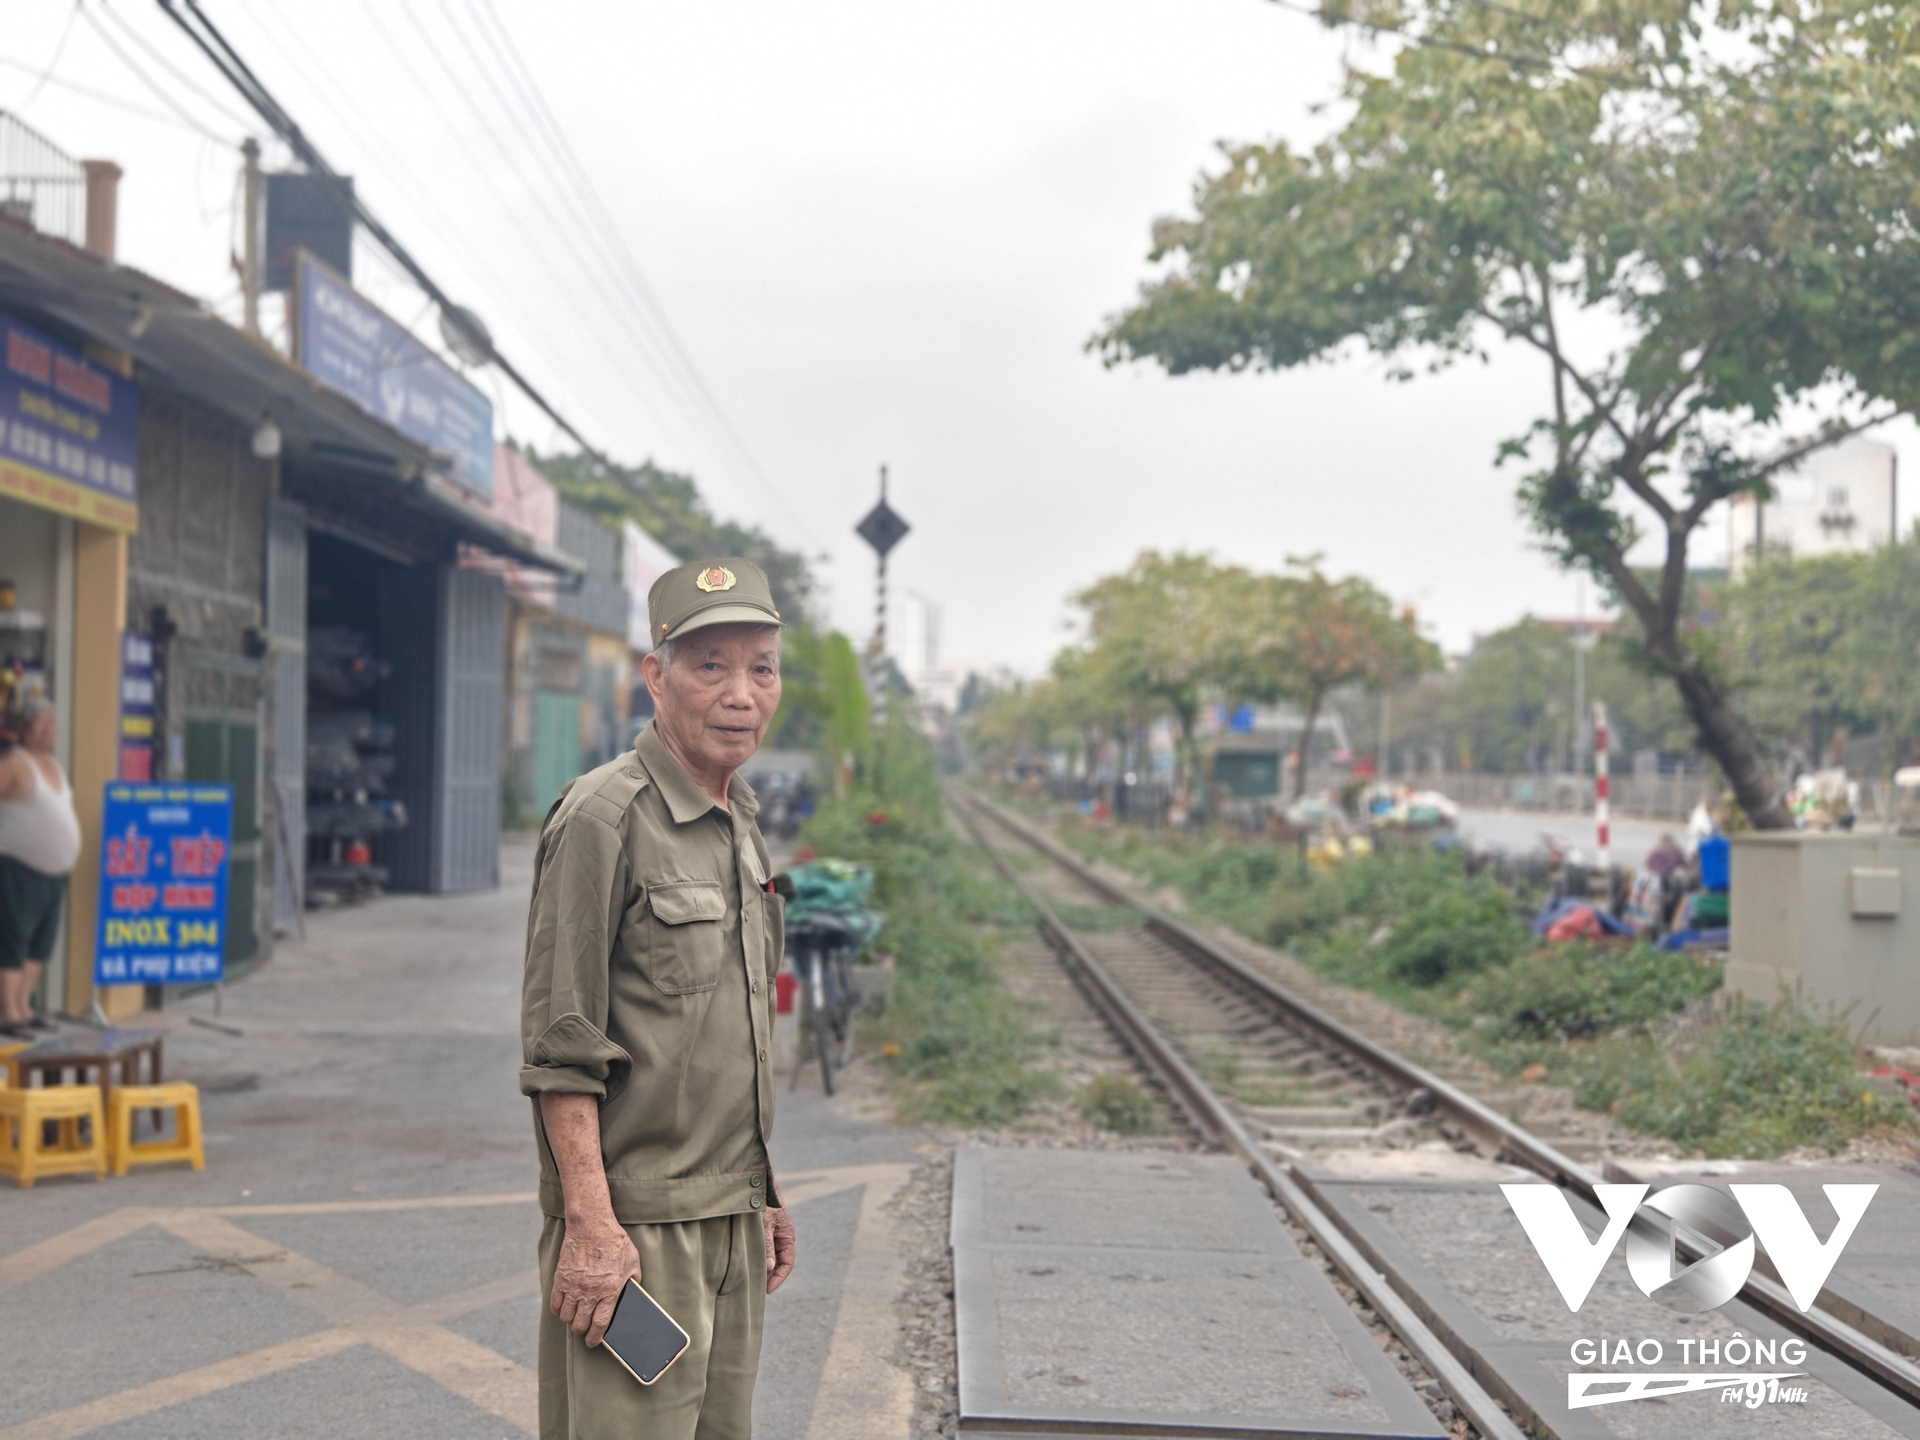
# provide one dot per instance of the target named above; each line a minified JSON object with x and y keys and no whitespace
{"x":596,"y":1260}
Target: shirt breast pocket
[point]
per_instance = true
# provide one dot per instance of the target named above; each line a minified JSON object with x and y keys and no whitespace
{"x":684,"y":946}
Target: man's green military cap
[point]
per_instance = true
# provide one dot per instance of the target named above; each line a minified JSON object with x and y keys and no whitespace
{"x":731,"y":591}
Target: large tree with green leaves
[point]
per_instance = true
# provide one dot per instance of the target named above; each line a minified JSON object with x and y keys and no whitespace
{"x":669,"y":507}
{"x":1159,"y":635}
{"x":1701,"y":217}
{"x":1829,"y":645}
{"x":1304,"y":635}
{"x":1508,"y":706}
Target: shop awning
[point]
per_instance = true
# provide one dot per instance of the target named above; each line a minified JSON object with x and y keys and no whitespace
{"x":337,"y":457}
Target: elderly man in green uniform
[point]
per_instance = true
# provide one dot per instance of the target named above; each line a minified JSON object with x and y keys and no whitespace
{"x":647,"y":1023}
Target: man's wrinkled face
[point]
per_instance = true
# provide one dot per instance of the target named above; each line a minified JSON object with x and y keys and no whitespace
{"x":718,"y":695}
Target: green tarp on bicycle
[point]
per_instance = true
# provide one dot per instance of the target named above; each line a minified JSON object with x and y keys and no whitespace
{"x":834,"y":887}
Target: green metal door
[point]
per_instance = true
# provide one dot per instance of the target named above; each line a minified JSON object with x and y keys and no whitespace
{"x":556,"y":744}
{"x":222,"y":743}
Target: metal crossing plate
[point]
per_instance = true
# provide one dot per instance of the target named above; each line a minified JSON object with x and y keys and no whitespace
{"x":1457,"y":1251}
{"x":1150,"y":1293}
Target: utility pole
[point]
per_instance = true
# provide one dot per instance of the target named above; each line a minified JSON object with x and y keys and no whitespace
{"x":1579,"y":673}
{"x":1386,"y":730}
{"x":250,"y":236}
{"x":880,"y":586}
{"x":1602,"y":809}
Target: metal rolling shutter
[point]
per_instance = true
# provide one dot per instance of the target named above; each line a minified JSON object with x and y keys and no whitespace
{"x":471,"y":689}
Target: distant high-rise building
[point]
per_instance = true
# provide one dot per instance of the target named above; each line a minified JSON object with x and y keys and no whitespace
{"x":1841,"y":501}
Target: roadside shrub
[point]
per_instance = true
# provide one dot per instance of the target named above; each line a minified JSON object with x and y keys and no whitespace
{"x":1767,"y":1079}
{"x":1456,"y":933}
{"x":1575,"y":992}
{"x":1375,"y":889}
{"x":1415,"y":926}
{"x":1116,"y":1102}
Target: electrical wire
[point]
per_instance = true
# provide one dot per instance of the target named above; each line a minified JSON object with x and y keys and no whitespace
{"x":59,"y":49}
{"x":239,"y":122}
{"x":654,"y":336}
{"x":586,"y":198}
{"x":452,"y":241}
{"x":214,"y":45}
{"x":165,"y":96}
{"x":104,"y":97}
{"x":515,"y":211}
{"x":661,"y":365}
{"x":547,"y":123}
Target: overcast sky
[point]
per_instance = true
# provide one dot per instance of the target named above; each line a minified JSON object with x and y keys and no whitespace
{"x":882,"y":231}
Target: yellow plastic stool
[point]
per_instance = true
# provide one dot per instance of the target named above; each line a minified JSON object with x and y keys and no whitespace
{"x":23,"y":1116}
{"x":180,"y":1096}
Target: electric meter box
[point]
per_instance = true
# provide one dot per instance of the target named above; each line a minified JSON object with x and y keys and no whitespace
{"x":1834,"y":920}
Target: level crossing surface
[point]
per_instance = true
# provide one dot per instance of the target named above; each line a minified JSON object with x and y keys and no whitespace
{"x":1118,"y":1292}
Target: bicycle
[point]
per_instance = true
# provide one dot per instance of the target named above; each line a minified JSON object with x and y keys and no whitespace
{"x":822,"y":948}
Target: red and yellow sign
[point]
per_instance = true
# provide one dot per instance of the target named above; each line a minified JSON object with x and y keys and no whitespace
{"x":50,"y":492}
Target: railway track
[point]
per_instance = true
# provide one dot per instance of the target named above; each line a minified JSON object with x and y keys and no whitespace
{"x":1271,"y":1078}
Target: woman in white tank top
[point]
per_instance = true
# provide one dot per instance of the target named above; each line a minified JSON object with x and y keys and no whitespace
{"x":39,"y":841}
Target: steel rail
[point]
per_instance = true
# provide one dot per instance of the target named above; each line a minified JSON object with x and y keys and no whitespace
{"x":1509,"y":1140}
{"x":1214,"y":1120}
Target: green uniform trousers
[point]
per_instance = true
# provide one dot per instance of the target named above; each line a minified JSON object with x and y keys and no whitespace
{"x":711,"y":1276}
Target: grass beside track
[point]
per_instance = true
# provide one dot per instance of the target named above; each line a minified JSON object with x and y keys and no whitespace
{"x":1628,"y":1030}
{"x":957,"y":1045}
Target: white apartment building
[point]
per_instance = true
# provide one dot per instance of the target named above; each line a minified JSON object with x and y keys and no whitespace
{"x":1842,"y":500}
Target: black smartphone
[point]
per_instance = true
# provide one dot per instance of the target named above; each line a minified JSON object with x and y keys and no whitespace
{"x":643,"y":1337}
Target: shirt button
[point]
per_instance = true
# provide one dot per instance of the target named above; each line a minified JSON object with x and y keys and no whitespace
{"x":754,"y":1181}
{"x":763,"y":1054}
{"x":754,"y":1202}
{"x":756,"y":987}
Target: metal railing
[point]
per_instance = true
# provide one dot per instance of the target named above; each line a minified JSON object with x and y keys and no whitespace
{"x":1649,"y":797}
{"x":40,"y":184}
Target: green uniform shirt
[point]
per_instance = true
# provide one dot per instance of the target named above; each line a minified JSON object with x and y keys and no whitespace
{"x":651,"y":949}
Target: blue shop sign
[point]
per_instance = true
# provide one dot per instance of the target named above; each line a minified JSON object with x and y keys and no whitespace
{"x":349,"y":345}
{"x":163,"y":884}
{"x":69,"y":430}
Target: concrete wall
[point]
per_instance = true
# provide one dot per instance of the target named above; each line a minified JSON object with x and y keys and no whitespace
{"x":1805,"y":919}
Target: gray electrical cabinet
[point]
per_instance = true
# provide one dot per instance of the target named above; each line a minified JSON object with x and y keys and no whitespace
{"x":1834,"y":921}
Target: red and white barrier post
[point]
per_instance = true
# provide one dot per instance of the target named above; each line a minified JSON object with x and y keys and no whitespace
{"x":1601,"y":808}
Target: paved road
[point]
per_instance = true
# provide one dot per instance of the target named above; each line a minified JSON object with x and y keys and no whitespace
{"x":357,"y":1257}
{"x":1520,"y":830}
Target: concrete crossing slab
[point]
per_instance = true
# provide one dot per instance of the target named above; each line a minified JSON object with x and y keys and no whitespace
{"x":1876,"y":1285}
{"x":1128,"y":1293}
{"x":1460,"y":1255}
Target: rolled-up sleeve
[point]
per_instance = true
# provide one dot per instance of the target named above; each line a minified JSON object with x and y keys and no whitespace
{"x":579,"y":895}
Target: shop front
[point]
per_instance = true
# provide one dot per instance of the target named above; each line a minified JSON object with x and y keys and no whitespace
{"x":68,"y":497}
{"x":288,"y":567}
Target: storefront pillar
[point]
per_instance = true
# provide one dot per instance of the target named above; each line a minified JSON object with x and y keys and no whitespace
{"x":99,"y":611}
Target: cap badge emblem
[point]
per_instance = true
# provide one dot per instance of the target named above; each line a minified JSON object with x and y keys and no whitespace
{"x":715,"y":577}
